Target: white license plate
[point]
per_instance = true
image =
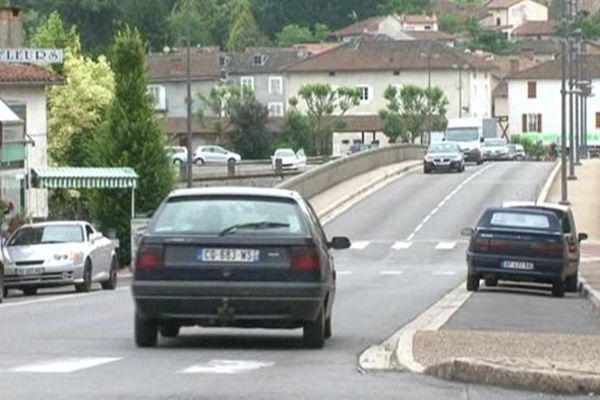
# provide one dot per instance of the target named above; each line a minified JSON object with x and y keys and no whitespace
{"x":30,"y":271}
{"x":229,"y":255}
{"x":518,"y":265}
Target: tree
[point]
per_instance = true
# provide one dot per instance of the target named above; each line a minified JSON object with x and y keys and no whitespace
{"x":322,"y":33}
{"x":450,"y":23}
{"x":296,"y":131}
{"x":249,"y":133}
{"x":486,"y":40}
{"x":292,"y":34}
{"x":323,"y":101}
{"x":243,"y":30}
{"x":405,"y":7}
{"x":132,"y":137}
{"x":416,"y":109}
{"x":151,"y":20}
{"x":203,"y":15}
{"x":52,"y":34}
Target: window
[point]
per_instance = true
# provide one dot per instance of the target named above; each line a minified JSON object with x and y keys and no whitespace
{"x":159,"y":93}
{"x":531,"y":123}
{"x":598,"y":120}
{"x":259,"y":60}
{"x":364,"y":93}
{"x":247,"y":81}
{"x":275,"y":109}
{"x":531,"y":90}
{"x":275,"y":85}
{"x":498,"y":22}
{"x":331,"y":73}
{"x":520,"y":220}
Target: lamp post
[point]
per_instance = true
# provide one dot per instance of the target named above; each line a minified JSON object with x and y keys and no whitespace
{"x":428,"y":56}
{"x":563,"y":113}
{"x":460,"y":86}
{"x":189,"y":94}
{"x":571,"y":92}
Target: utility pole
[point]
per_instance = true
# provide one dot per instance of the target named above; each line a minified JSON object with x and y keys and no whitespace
{"x":578,"y":93}
{"x":189,"y":94}
{"x":571,"y":90}
{"x":563,"y":112}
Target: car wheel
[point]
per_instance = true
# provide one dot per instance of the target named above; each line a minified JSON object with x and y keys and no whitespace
{"x":491,"y":282}
{"x":328,"y":328}
{"x":86,"y":285}
{"x":479,"y":162}
{"x":146,"y":331}
{"x":572,"y":284}
{"x":231,"y":160}
{"x":558,"y":288}
{"x":4,"y":293}
{"x":426,"y":170}
{"x":313,"y":333}
{"x":169,"y":330}
{"x":30,"y":291}
{"x":198,"y":161}
{"x":472,"y":283}
{"x":177,"y":162}
{"x":111,"y":283}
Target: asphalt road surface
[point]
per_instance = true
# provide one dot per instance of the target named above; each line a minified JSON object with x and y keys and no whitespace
{"x":407,"y":254}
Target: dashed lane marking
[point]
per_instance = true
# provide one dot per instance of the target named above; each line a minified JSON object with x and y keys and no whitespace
{"x":65,"y":365}
{"x":227,"y":367}
{"x":402,"y":245}
{"x":445,"y":246}
{"x":359,"y":245}
{"x":391,"y":272}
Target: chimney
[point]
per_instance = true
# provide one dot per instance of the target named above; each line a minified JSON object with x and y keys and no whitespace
{"x":11,"y":27}
{"x":514,"y":65}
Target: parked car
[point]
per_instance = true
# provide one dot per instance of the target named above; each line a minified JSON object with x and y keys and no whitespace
{"x":358,"y":147}
{"x":60,"y":253}
{"x":495,"y":149}
{"x":235,"y":257}
{"x":446,"y":156}
{"x":516,"y":152}
{"x":526,"y":244}
{"x":178,"y":154}
{"x":289,"y":159}
{"x":214,"y":155}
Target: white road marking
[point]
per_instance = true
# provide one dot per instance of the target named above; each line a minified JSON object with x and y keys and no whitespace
{"x":445,"y":246}
{"x":437,"y":208}
{"x":402,"y":245}
{"x":361,"y":245}
{"x":344,"y":273}
{"x":66,"y":365}
{"x":444,"y":273}
{"x":391,"y":272}
{"x":228,"y":367}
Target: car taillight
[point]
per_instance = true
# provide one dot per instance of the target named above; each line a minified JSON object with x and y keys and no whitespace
{"x":149,"y":257}
{"x":305,"y":260}
{"x":481,"y":244}
{"x":548,"y":248}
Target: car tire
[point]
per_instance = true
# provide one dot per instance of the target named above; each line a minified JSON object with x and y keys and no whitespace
{"x":111,"y":283}
{"x":4,"y":290}
{"x":491,"y":282}
{"x":313,"y":334}
{"x":472,"y":283}
{"x":328,"y":328}
{"x":86,"y":285}
{"x":30,"y":291}
{"x":558,"y":288}
{"x":231,"y":160}
{"x":479,"y":162}
{"x":426,"y":170}
{"x":198,"y":161}
{"x":572,"y":284}
{"x":177,"y":162}
{"x":169,"y":330}
{"x":146,"y":331}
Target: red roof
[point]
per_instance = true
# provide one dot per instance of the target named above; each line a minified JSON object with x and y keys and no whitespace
{"x":502,"y":4}
{"x":27,"y":73}
{"x":368,"y":25}
{"x":536,"y":28}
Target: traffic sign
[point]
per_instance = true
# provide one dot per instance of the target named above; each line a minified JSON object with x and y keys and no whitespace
{"x":31,"y":56}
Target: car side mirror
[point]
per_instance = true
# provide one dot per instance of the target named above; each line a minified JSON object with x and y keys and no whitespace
{"x":467,"y":232}
{"x":339,"y":243}
{"x":95,"y":236}
{"x":582,"y":237}
{"x":481,"y":140}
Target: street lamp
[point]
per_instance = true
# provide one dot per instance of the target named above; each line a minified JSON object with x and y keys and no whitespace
{"x":563,"y":113}
{"x":189,"y":93}
{"x":460,"y":86}
{"x":429,"y":55}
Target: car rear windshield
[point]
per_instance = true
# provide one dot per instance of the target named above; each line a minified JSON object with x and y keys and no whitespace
{"x":522,"y":220}
{"x":494,"y":142}
{"x":462,"y":134}
{"x":47,"y":235}
{"x":285,"y":153}
{"x":215,"y":216}
{"x":444,"y":148}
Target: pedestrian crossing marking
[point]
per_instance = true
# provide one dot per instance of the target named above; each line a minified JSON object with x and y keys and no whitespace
{"x":445,"y":246}
{"x":361,"y":245}
{"x":226,"y":367}
{"x":402,"y":245}
{"x":65,"y":365}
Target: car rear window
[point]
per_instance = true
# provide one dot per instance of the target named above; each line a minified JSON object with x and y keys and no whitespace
{"x":234,"y":216}
{"x":521,"y":220}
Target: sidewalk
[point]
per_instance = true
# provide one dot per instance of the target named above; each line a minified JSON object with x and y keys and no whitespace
{"x":549,"y":362}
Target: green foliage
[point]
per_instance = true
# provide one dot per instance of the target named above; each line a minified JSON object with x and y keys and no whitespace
{"x":243,"y":30}
{"x":450,"y":23}
{"x":151,"y":20}
{"x":412,"y":110}
{"x":131,"y":137}
{"x":292,"y":34}
{"x":405,"y":7}
{"x":203,"y":17}
{"x":322,"y":32}
{"x":322,"y":101}
{"x":249,"y":132}
{"x":486,"y":40}
{"x":52,"y":34}
{"x":296,"y":132}
{"x":590,"y":26}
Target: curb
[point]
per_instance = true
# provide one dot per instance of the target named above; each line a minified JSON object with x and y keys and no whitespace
{"x":511,"y":375}
{"x":369,"y":188}
{"x":543,"y":195}
{"x":589,"y":292}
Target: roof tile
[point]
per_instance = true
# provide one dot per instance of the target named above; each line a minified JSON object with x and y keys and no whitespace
{"x":27,"y":73}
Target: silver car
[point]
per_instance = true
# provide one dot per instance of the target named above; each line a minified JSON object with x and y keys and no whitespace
{"x":495,"y":149}
{"x":58,"y":253}
{"x":214,"y":155}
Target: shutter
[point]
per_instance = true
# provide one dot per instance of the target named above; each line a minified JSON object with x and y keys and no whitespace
{"x":539,"y":123}
{"x":524,"y":123}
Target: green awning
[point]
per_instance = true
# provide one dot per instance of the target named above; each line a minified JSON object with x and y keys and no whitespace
{"x":85,"y":178}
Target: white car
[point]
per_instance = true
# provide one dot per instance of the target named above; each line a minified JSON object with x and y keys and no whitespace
{"x":178,"y":154}
{"x":60,"y":253}
{"x":289,"y":159}
{"x":214,"y":155}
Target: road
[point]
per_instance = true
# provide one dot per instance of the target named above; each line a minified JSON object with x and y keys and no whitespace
{"x":407,"y":254}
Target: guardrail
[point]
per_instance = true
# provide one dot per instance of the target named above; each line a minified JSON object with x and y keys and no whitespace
{"x":326,"y":176}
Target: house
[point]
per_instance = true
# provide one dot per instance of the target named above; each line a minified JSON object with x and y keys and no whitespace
{"x":536,"y":30}
{"x":419,"y":23}
{"x":395,"y":27}
{"x":534,"y":101}
{"x":167,"y":82}
{"x":507,"y":15}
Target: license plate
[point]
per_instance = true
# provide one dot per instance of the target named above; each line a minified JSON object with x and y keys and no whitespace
{"x":518,"y":265}
{"x":30,"y":271}
{"x":228,"y":255}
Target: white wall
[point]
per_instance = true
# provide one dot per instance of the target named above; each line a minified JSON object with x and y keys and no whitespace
{"x":176,"y":93}
{"x":34,"y":97}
